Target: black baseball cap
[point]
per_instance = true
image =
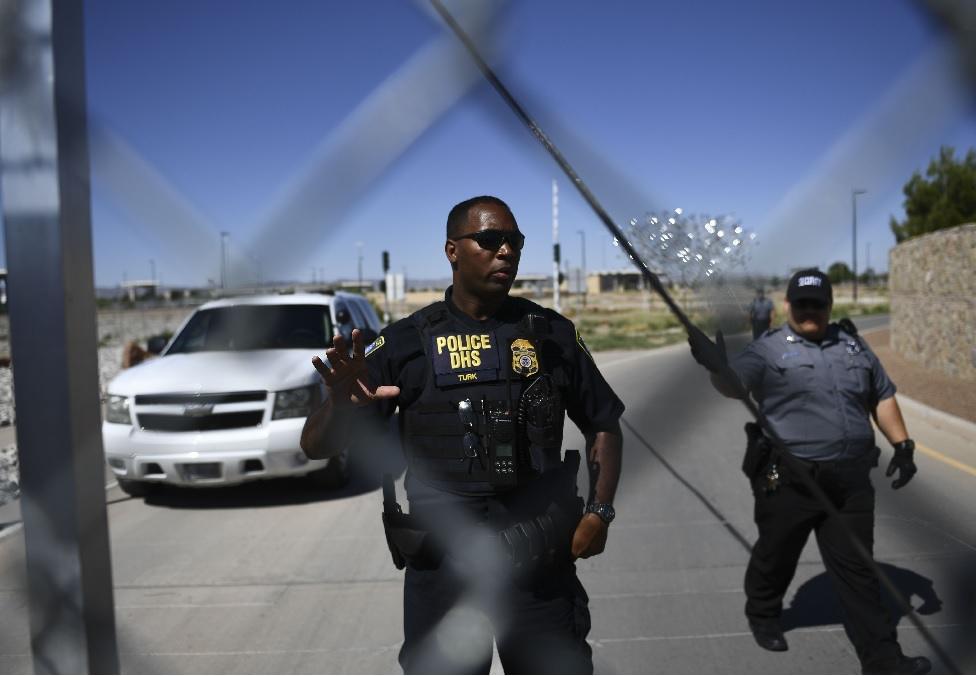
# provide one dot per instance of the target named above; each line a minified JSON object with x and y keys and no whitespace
{"x":812,"y":284}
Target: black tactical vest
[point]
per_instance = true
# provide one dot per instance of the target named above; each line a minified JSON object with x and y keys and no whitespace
{"x":490,"y":416}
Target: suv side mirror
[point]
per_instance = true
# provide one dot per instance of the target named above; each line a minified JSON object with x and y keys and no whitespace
{"x":343,"y":316}
{"x":156,"y":344}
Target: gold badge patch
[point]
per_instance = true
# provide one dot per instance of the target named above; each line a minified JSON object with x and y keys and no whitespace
{"x":375,"y":345}
{"x":524,"y":360}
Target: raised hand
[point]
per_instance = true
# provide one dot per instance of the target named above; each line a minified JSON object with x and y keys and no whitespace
{"x":710,"y":355}
{"x":345,"y":375}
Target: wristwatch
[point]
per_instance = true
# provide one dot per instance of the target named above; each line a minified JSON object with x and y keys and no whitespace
{"x":604,"y":510}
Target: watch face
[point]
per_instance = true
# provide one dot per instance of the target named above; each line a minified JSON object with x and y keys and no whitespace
{"x":604,"y":511}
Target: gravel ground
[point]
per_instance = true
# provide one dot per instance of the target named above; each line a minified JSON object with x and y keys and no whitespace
{"x":931,"y":387}
{"x":9,"y":476}
{"x":115,"y":329}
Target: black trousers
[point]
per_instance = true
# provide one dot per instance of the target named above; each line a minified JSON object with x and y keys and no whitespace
{"x":785,"y":520}
{"x":451,"y":615}
{"x":759,"y":327}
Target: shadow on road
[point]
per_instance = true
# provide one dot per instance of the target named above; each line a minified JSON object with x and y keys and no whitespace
{"x":816,"y":602}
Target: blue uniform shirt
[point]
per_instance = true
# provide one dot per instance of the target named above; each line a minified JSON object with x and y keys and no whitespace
{"x":761,"y":309}
{"x":818,"y":397}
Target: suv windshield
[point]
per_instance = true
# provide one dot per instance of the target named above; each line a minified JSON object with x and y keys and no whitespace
{"x":256,"y":327}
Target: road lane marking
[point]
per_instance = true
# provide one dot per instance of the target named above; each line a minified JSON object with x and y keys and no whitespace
{"x":952,"y":462}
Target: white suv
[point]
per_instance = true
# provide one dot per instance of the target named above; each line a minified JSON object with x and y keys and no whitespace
{"x":226,"y":399}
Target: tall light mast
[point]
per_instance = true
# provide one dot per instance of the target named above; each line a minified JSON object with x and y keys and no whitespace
{"x":555,"y":245}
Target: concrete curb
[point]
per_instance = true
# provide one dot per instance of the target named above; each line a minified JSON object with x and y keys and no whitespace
{"x":959,"y":426}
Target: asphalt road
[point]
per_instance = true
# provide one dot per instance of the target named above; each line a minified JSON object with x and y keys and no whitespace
{"x":276,"y":578}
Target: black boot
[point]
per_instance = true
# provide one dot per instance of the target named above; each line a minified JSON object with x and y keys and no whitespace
{"x":900,"y":665}
{"x":769,"y":635}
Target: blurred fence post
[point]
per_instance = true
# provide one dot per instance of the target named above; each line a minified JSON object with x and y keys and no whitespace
{"x":44,"y":180}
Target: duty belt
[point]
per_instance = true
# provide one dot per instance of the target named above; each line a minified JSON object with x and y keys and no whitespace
{"x":528,"y":544}
{"x":869,"y":459}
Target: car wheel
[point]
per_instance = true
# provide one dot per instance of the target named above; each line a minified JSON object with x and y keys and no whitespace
{"x":135,"y":489}
{"x":334,"y":475}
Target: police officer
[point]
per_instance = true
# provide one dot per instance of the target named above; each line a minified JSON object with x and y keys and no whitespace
{"x":760,"y":313}
{"x":818,"y":385}
{"x":480,"y":382}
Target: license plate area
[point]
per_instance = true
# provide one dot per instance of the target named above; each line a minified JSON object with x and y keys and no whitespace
{"x":202,"y":471}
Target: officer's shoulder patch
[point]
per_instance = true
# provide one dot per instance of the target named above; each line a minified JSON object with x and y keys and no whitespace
{"x":579,"y":341}
{"x":375,"y":345}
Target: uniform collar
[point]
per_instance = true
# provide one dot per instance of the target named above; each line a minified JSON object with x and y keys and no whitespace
{"x":832,"y":336}
{"x":504,"y":312}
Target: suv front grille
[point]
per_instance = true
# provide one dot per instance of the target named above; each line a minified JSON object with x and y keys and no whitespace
{"x":191,"y":398}
{"x":160,"y":422}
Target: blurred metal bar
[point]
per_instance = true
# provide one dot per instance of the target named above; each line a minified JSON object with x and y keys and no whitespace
{"x":44,"y":179}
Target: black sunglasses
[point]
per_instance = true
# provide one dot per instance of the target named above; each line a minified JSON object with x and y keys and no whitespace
{"x":493,"y":239}
{"x":809,"y":304}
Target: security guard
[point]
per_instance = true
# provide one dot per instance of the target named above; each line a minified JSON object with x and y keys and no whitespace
{"x":760,"y":313}
{"x":481,"y":382}
{"x":818,"y":385}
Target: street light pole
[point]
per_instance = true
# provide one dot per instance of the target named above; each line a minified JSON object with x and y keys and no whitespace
{"x":867,"y":261}
{"x":359,"y":247}
{"x":854,"y":194}
{"x":223,"y":258}
{"x":582,"y":235}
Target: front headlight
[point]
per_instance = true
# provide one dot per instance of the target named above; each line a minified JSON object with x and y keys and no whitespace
{"x":296,"y":403}
{"x":117,"y":410}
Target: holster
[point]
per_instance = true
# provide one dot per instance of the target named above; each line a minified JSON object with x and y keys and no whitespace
{"x":758,"y":451}
{"x":530,"y":544}
{"x":408,"y":543}
{"x":546,"y":539}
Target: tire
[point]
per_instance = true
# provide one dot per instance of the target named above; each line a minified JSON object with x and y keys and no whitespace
{"x":135,"y":489}
{"x":334,"y":475}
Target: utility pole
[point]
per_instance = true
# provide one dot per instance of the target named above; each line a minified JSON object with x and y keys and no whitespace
{"x":359,"y":247}
{"x":555,"y":245}
{"x":867,"y":260}
{"x":585,"y":286}
{"x":387,"y":282}
{"x":854,"y":194}
{"x":223,"y":258}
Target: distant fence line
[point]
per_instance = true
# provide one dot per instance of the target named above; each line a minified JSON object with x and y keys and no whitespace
{"x":933,"y":300}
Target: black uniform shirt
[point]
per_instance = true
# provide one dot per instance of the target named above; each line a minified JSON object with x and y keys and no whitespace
{"x":397,"y":358}
{"x":818,"y":397}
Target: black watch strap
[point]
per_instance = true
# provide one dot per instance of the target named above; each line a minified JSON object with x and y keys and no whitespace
{"x":604,"y":510}
{"x":907,"y":445}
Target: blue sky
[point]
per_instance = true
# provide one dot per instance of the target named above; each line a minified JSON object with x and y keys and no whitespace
{"x":768,"y":110}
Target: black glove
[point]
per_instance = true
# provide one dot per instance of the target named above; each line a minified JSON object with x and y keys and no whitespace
{"x":713,"y":357}
{"x":902,"y":461}
{"x":710,"y":355}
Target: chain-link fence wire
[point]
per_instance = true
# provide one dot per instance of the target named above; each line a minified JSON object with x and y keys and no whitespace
{"x":653,"y":279}
{"x":143,"y":192}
